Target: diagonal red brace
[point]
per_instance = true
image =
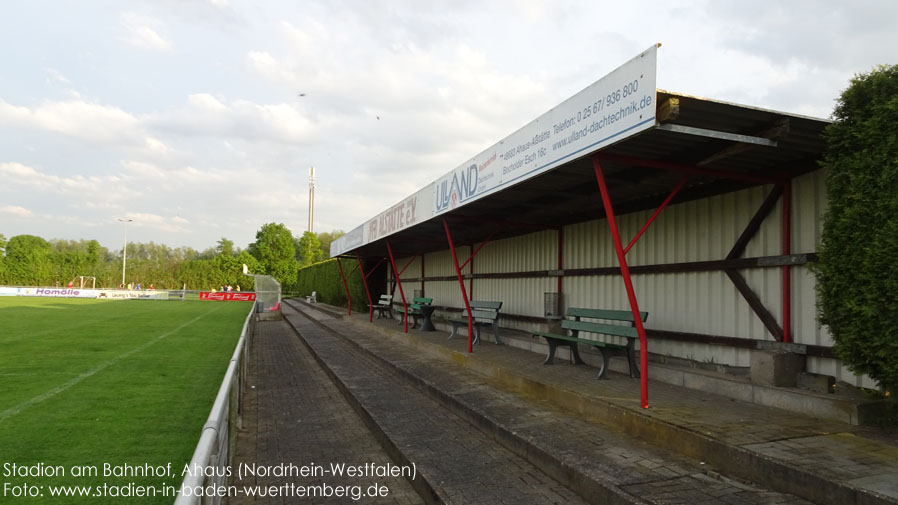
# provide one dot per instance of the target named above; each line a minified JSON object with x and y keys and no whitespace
{"x":345,"y":287}
{"x":365,"y":283}
{"x":485,"y":241}
{"x":658,"y":211}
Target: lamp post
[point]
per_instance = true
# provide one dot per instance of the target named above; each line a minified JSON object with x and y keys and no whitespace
{"x":124,"y":248}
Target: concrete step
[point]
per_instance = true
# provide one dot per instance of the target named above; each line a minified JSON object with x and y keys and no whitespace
{"x":823,"y":461}
{"x":598,"y":462}
{"x":832,"y":407}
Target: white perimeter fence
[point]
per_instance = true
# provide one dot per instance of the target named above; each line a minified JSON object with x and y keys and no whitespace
{"x":213,"y":452}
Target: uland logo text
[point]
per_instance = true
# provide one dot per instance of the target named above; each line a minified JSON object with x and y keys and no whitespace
{"x":463,"y":185}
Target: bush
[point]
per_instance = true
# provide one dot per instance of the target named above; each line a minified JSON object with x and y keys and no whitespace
{"x":324,"y":279}
{"x":858,"y":268}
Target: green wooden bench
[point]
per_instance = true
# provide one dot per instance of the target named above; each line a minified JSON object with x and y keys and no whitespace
{"x":484,"y":314}
{"x":575,"y":323}
{"x":385,"y":304}
{"x":414,"y":309}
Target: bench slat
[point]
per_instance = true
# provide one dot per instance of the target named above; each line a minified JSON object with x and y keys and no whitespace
{"x":477,"y":314}
{"x":611,"y":315}
{"x":569,"y":338}
{"x":605,"y":329}
{"x":478,"y":304}
{"x":484,"y":314}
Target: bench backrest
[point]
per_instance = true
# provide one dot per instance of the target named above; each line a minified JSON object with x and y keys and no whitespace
{"x":578,"y":314}
{"x":484,"y":309}
{"x":422,"y":301}
{"x":385,"y":300}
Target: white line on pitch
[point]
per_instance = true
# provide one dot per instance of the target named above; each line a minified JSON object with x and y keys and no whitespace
{"x":66,"y":385}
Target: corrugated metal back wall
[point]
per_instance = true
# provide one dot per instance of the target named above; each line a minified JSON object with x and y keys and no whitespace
{"x":701,"y":302}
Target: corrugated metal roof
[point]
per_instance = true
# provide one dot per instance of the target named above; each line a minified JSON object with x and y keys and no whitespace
{"x":569,"y":193}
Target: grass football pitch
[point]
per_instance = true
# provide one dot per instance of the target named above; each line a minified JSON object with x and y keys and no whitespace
{"x":102,"y":396}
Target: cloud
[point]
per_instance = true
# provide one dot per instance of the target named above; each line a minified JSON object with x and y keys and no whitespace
{"x":112,"y":187}
{"x":205,"y":115}
{"x":139,"y":33}
{"x":92,"y":122}
{"x":165,"y":224}
{"x":56,"y":76}
{"x":16,"y":211}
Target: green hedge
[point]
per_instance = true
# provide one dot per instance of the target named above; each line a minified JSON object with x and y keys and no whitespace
{"x":324,"y":279}
{"x":858,"y":271}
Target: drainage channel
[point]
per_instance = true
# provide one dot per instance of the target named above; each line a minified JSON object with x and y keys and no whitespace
{"x":597,"y":463}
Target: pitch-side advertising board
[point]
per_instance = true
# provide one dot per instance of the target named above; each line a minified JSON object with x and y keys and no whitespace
{"x":228,"y":297}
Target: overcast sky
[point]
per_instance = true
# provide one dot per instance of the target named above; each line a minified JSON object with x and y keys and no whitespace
{"x":199,"y":119}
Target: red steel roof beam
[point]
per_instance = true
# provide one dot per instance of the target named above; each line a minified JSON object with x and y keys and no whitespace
{"x":690,"y":169}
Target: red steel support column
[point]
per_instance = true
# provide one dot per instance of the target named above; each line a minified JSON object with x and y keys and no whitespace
{"x":461,"y":283}
{"x":399,"y":283}
{"x":628,"y":283}
{"x":367,"y":292}
{"x":787,"y":271}
{"x":345,"y":287}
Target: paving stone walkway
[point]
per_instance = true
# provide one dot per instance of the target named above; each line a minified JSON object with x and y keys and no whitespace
{"x":295,"y":415}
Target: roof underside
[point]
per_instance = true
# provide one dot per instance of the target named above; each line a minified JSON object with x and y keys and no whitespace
{"x":695,"y":132}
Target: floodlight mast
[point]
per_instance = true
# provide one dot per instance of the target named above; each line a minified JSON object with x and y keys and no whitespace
{"x":124,"y":248}
{"x":311,"y":198}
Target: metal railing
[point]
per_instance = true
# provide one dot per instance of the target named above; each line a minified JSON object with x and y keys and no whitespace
{"x":211,"y":459}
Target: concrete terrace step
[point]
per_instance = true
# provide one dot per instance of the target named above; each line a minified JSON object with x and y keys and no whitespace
{"x":460,"y":465}
{"x":824,"y":406}
{"x":821,"y":461}
{"x":601,"y":464}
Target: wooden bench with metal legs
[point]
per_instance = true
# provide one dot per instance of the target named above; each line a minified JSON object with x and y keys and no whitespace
{"x":575,"y":324}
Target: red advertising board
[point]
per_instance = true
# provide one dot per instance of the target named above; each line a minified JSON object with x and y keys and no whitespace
{"x":224,"y":296}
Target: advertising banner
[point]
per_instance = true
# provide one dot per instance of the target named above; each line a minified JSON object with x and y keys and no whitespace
{"x":613,"y":108}
{"x":107,"y":294}
{"x":348,"y":242}
{"x":49,"y":292}
{"x":228,"y":297}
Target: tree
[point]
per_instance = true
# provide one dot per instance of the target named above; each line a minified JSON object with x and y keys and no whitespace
{"x":275,"y":251}
{"x":247,"y":282}
{"x":326,"y":238}
{"x":225,"y":247}
{"x":28,"y":261}
{"x":858,"y":272}
{"x":309,"y":249}
{"x":2,"y":251}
